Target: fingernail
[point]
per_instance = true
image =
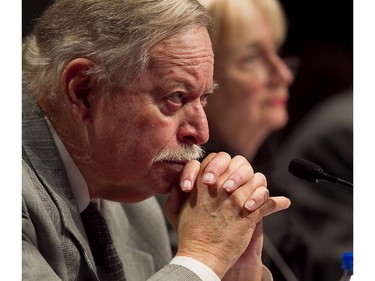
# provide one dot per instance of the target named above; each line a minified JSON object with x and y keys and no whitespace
{"x":249,"y":205}
{"x":288,"y":204}
{"x":208,"y":178}
{"x":228,"y":185}
{"x":186,"y":185}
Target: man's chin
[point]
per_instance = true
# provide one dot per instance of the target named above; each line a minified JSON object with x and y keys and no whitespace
{"x":170,"y":187}
{"x":170,"y":170}
{"x":165,"y":185}
{"x":168,"y":176}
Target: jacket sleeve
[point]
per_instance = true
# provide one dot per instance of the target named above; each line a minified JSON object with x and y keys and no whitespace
{"x":34,"y":265}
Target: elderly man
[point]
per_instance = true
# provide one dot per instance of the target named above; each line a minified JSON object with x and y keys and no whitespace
{"x":112,"y":115}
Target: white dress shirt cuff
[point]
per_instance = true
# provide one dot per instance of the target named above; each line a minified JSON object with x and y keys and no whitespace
{"x":200,"y":269}
{"x":206,"y":273}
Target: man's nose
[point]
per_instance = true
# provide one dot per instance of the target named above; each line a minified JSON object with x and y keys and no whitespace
{"x":194,"y":127}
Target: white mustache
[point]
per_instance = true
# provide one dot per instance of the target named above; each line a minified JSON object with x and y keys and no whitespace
{"x":186,"y":153}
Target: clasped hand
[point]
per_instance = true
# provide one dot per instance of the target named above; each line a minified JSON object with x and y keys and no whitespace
{"x":218,"y":211}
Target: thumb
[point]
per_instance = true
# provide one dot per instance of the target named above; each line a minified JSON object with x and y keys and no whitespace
{"x":173,"y":205}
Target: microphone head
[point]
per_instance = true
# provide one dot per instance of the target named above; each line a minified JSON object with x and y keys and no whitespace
{"x":305,"y":170}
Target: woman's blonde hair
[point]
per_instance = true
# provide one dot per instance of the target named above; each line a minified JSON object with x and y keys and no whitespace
{"x":228,"y":19}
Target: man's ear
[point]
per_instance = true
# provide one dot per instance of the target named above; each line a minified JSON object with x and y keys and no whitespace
{"x":77,"y":87}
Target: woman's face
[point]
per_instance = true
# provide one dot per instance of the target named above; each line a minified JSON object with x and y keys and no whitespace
{"x":253,"y":80}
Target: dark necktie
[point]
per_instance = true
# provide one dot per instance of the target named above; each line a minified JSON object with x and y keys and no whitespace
{"x":106,"y":259}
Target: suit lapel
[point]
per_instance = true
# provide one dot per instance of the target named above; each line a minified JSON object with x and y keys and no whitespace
{"x":40,"y":152}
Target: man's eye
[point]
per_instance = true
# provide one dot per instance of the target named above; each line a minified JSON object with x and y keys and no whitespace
{"x":176,"y":98}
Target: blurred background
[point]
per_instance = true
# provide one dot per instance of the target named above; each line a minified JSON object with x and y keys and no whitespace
{"x":320,"y":36}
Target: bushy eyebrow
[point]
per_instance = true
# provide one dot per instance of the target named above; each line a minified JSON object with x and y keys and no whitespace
{"x":186,"y":85}
{"x":214,"y":86}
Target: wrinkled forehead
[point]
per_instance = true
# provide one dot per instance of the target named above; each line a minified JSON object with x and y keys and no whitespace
{"x":185,"y":59}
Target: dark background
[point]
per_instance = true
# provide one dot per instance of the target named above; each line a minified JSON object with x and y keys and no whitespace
{"x":321,"y":35}
{"x":31,"y":9}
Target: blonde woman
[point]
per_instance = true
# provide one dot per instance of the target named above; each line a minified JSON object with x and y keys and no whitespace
{"x":251,"y":100}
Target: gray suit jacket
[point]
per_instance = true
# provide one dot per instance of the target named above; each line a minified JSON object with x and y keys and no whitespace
{"x":54,"y":243}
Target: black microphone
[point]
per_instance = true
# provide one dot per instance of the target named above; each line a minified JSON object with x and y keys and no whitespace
{"x":311,"y":172}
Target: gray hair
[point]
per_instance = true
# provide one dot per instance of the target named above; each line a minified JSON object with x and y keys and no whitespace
{"x":115,"y":34}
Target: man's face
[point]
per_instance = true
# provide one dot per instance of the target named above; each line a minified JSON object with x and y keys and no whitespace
{"x":162,"y":110}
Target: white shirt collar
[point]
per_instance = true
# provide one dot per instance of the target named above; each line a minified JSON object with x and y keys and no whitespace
{"x":77,"y":182}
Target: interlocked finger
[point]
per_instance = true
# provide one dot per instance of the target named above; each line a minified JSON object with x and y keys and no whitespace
{"x":258,"y":198}
{"x":272,"y":205}
{"x":252,"y":194}
{"x":239,"y":172}
{"x":214,"y":166}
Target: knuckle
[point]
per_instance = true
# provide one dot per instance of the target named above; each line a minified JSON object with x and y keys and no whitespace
{"x":241,"y":159}
{"x":240,"y":177}
{"x":266,"y":194}
{"x":224,"y":154}
{"x":219,"y":162}
{"x":212,"y":154}
{"x":195,"y":162}
{"x":261,"y":178}
{"x":249,"y":169}
{"x":208,"y":158}
{"x":268,"y":207}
